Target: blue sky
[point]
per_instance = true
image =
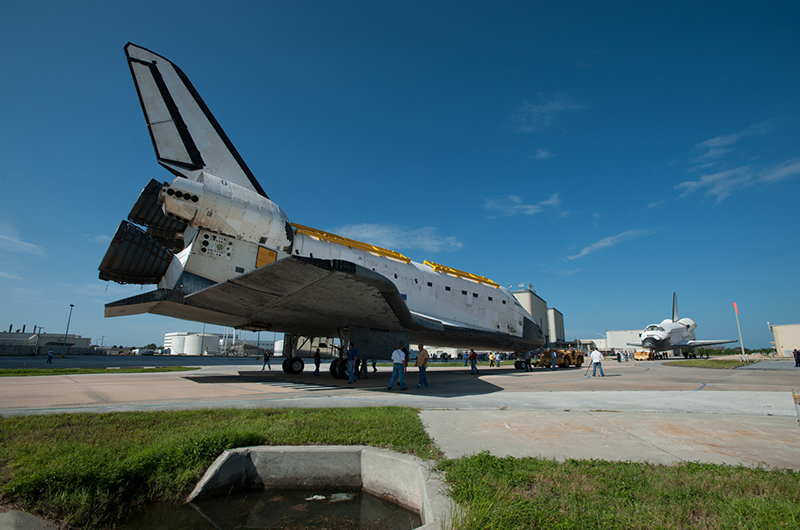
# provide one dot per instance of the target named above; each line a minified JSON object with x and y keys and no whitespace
{"x":609,"y":153}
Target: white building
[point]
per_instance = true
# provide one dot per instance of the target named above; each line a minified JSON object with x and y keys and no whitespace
{"x":787,"y":338}
{"x":549,"y":319}
{"x":620,"y":340}
{"x":555,"y":325}
{"x":20,"y":342}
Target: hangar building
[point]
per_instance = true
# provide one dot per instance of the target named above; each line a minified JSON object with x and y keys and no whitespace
{"x":20,"y":342}
{"x":787,"y":338}
{"x":619,"y":340}
{"x":551,"y":320}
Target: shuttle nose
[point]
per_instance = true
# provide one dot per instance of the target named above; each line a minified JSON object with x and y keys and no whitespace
{"x":650,"y":343}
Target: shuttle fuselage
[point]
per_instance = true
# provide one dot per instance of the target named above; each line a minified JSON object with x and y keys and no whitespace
{"x":222,"y":252}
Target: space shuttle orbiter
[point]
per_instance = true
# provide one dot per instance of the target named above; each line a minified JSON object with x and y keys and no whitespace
{"x":221,"y":252}
{"x":674,"y":334}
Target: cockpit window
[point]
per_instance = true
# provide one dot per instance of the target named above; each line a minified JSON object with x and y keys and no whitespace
{"x":654,"y":328}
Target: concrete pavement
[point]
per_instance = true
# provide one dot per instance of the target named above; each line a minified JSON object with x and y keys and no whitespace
{"x":642,"y":411}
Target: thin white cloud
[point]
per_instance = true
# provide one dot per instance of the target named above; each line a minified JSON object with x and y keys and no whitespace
{"x":730,"y":139}
{"x":98,"y":238}
{"x":541,"y":154}
{"x":10,"y":241}
{"x":9,"y":276}
{"x":783,"y":171}
{"x":715,"y":148}
{"x":722,"y":184}
{"x":513,"y":205}
{"x":610,"y":241}
{"x":531,"y":118}
{"x":400,"y":237}
{"x":710,"y":156}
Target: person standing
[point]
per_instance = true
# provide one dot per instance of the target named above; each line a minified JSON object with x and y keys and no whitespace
{"x":497,"y":358}
{"x":527,"y":357}
{"x":553,"y":356}
{"x":317,"y":361}
{"x":422,"y":364}
{"x":266,"y":360}
{"x":597,"y":362}
{"x":795,"y":352}
{"x":50,"y":356}
{"x":491,"y":359}
{"x":473,"y":358}
{"x":399,"y":364}
{"x":352,"y":357}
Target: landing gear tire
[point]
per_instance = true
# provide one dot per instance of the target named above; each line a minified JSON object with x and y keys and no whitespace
{"x":517,"y":365}
{"x":286,"y":368}
{"x":335,"y":368}
{"x":342,"y":367}
{"x":296,"y":365}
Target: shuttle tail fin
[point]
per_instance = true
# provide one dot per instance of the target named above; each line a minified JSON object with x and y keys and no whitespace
{"x":674,"y":307}
{"x":186,"y":136}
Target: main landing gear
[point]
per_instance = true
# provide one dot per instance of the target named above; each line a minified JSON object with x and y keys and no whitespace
{"x":293,"y":365}
{"x":339,"y":368}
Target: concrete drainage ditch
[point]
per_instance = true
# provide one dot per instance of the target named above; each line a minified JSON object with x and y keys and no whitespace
{"x":402,"y":479}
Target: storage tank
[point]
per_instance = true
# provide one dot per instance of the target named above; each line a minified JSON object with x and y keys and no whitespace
{"x":198,"y":343}
{"x":177,"y":346}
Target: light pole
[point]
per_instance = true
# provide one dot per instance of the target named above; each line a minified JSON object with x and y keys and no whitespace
{"x":64,"y":349}
{"x":38,"y":336}
{"x":741,"y":344}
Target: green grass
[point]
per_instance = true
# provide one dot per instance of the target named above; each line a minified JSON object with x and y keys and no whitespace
{"x":88,"y":470}
{"x":19,"y":372}
{"x":515,"y":493}
{"x":709,"y":363}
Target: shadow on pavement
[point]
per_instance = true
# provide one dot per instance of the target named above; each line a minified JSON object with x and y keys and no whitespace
{"x":442,"y":384}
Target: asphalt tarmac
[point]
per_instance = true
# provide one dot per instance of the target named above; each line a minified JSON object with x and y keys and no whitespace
{"x":640,"y":411}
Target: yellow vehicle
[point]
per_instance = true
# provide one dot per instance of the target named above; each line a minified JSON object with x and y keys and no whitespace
{"x":648,"y":355}
{"x":564,"y":358}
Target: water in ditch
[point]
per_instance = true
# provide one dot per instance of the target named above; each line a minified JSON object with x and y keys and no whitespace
{"x":278,"y":510}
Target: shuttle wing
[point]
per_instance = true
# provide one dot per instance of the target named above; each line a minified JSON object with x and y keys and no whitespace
{"x":186,"y":136}
{"x":701,"y":343}
{"x":689,"y":344}
{"x":308,"y":296}
{"x":293,"y":295}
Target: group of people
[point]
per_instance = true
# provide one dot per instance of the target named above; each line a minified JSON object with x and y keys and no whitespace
{"x":399,"y":365}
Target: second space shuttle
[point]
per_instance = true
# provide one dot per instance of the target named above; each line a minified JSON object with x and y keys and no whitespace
{"x":221,"y":252}
{"x":676,"y":334}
